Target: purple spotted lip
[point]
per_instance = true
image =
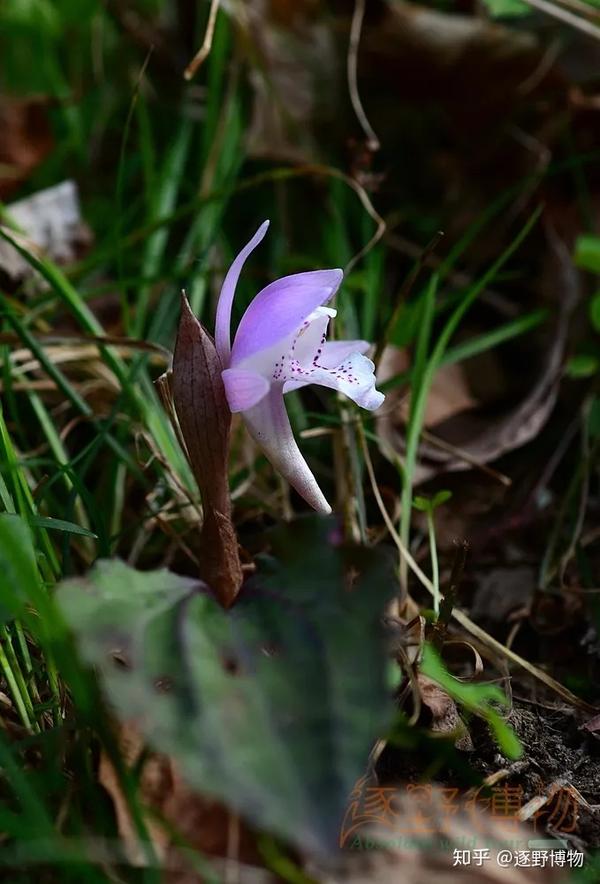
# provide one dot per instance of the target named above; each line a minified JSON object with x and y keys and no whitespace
{"x":281,"y":345}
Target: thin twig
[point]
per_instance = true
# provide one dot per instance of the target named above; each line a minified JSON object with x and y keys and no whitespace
{"x":567,"y":17}
{"x":232,"y":864}
{"x":204,"y":50}
{"x":368,"y":206}
{"x":585,"y":9}
{"x":404,"y":552}
{"x":542,"y":68}
{"x":352,"y":70}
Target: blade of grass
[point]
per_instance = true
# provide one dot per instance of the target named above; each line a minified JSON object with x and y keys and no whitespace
{"x":62,"y":459}
{"x":424,"y":379}
{"x":60,"y":525}
{"x":489,"y":340}
{"x":68,"y":390}
{"x":23,"y":583}
{"x":22,"y":496}
{"x":164,"y":197}
{"x":16,"y":683}
{"x":476,"y":345}
{"x":144,"y":402}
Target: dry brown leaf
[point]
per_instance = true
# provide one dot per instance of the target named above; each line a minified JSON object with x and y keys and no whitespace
{"x":26,"y":140}
{"x":202,"y":822}
{"x":155,"y":780}
{"x":469,"y":437}
{"x":593,"y":725}
{"x":205,"y":422}
{"x":453,"y":55}
{"x":502,"y":591}
{"x":449,"y":394}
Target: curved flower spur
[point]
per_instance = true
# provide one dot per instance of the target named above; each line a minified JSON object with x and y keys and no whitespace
{"x":280,"y":345}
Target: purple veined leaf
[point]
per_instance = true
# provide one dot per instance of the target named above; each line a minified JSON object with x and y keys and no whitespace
{"x":223,"y":317}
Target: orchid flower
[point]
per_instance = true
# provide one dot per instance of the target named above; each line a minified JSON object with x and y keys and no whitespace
{"x":280,"y":345}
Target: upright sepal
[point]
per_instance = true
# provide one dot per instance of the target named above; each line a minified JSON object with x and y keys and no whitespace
{"x":223,"y":318}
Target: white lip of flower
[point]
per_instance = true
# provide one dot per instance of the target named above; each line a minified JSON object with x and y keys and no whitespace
{"x":305,"y":357}
{"x":281,"y":345}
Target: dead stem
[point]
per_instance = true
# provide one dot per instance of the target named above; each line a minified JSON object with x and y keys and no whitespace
{"x":465,"y":621}
{"x":352,"y":70}
{"x":204,"y":50}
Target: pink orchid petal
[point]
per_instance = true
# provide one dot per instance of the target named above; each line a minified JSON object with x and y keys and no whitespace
{"x":335,"y":352}
{"x":223,"y":317}
{"x":354,"y":378}
{"x":281,"y":308}
{"x":269,"y":426}
{"x":311,"y":338}
{"x":281,"y":345}
{"x":243,"y":388}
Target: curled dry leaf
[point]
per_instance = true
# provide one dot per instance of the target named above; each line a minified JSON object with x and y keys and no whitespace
{"x":444,"y":714}
{"x":593,"y":725}
{"x":205,"y":422}
{"x":467,"y":436}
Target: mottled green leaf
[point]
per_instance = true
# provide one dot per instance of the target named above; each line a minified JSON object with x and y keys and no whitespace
{"x":271,"y":706}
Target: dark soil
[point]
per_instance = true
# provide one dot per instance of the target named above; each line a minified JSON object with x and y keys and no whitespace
{"x":559,"y":757}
